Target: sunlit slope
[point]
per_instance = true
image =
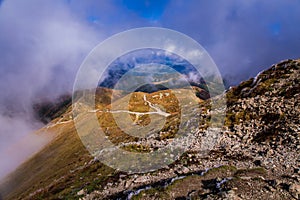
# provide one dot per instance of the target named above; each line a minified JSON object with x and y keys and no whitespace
{"x":258,"y":148}
{"x":64,"y":166}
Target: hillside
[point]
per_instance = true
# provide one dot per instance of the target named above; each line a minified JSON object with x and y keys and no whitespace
{"x":256,"y":155}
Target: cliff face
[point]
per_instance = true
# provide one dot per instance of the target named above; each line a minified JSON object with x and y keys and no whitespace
{"x":256,"y":155}
{"x":265,"y":109}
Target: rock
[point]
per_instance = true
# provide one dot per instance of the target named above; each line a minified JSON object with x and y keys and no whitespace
{"x":257,"y":162}
{"x":294,"y":189}
{"x":127,"y":184}
{"x":230,"y":195}
{"x":141,"y":179}
{"x":245,"y":178}
{"x":261,"y":141}
{"x":81,"y":192}
{"x":182,"y":170}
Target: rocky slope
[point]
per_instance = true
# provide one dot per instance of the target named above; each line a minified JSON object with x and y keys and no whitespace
{"x":256,"y":155}
{"x":258,"y":150}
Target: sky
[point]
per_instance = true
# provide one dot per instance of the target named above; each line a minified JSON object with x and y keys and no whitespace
{"x":43,"y":43}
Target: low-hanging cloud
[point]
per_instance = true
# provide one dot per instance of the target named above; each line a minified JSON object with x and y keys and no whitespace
{"x":16,"y":142}
{"x":41,"y":46}
{"x":43,"y":43}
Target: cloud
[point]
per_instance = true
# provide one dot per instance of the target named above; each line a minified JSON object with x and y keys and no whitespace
{"x":243,"y":37}
{"x":40,"y":41}
{"x":16,"y":143}
{"x":42,"y":44}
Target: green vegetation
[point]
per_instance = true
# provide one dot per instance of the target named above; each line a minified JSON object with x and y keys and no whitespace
{"x":184,"y":186}
{"x":253,"y":172}
{"x":238,"y":117}
{"x":222,"y":171}
{"x":235,"y":92}
{"x":64,"y":167}
{"x":60,"y":170}
{"x":136,"y":148}
{"x":153,"y":193}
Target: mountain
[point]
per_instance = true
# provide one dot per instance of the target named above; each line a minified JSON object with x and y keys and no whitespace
{"x":47,"y":110}
{"x":256,"y":155}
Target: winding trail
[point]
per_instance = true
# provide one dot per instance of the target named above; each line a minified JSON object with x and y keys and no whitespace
{"x":157,"y":111}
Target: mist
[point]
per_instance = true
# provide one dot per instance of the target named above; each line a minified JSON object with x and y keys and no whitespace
{"x":20,"y":144}
{"x":40,"y":42}
{"x":43,"y":43}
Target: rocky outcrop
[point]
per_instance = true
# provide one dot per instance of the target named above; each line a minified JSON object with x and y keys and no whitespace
{"x":255,"y":155}
{"x":258,"y":149}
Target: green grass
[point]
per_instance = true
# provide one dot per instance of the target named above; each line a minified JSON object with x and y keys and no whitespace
{"x":183,"y":187}
{"x":62,"y":168}
{"x":222,"y":171}
{"x":136,"y":148}
{"x":59,"y":170}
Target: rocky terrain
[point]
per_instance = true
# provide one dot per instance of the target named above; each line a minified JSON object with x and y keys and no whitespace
{"x":255,"y":156}
{"x":258,"y":148}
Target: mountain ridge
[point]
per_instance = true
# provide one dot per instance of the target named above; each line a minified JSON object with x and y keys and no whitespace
{"x":258,"y":148}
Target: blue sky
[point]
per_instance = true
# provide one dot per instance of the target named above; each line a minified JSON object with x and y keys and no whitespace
{"x":243,"y":37}
{"x":43,"y":42}
{"x":151,"y":10}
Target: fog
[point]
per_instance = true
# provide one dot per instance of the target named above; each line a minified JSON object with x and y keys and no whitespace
{"x":20,"y":143}
{"x":40,"y":42}
{"x":43,"y":43}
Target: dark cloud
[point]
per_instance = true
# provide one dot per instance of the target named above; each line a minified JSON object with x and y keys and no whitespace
{"x":42,"y":43}
{"x":243,"y":37}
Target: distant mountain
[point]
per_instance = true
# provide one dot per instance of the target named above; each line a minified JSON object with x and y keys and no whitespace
{"x":46,"y":110}
{"x":151,"y":64}
{"x":256,"y":155}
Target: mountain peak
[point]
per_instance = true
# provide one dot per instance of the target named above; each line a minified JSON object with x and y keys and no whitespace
{"x":280,"y":79}
{"x":257,"y":150}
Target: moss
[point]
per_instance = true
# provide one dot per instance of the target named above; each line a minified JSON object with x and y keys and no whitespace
{"x":253,"y":172}
{"x":153,"y":193}
{"x":229,"y":119}
{"x":136,"y":148}
{"x":247,"y":83}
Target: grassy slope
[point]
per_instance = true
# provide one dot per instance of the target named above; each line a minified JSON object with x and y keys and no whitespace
{"x":59,"y":170}
{"x":64,"y":166}
{"x":51,"y":168}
